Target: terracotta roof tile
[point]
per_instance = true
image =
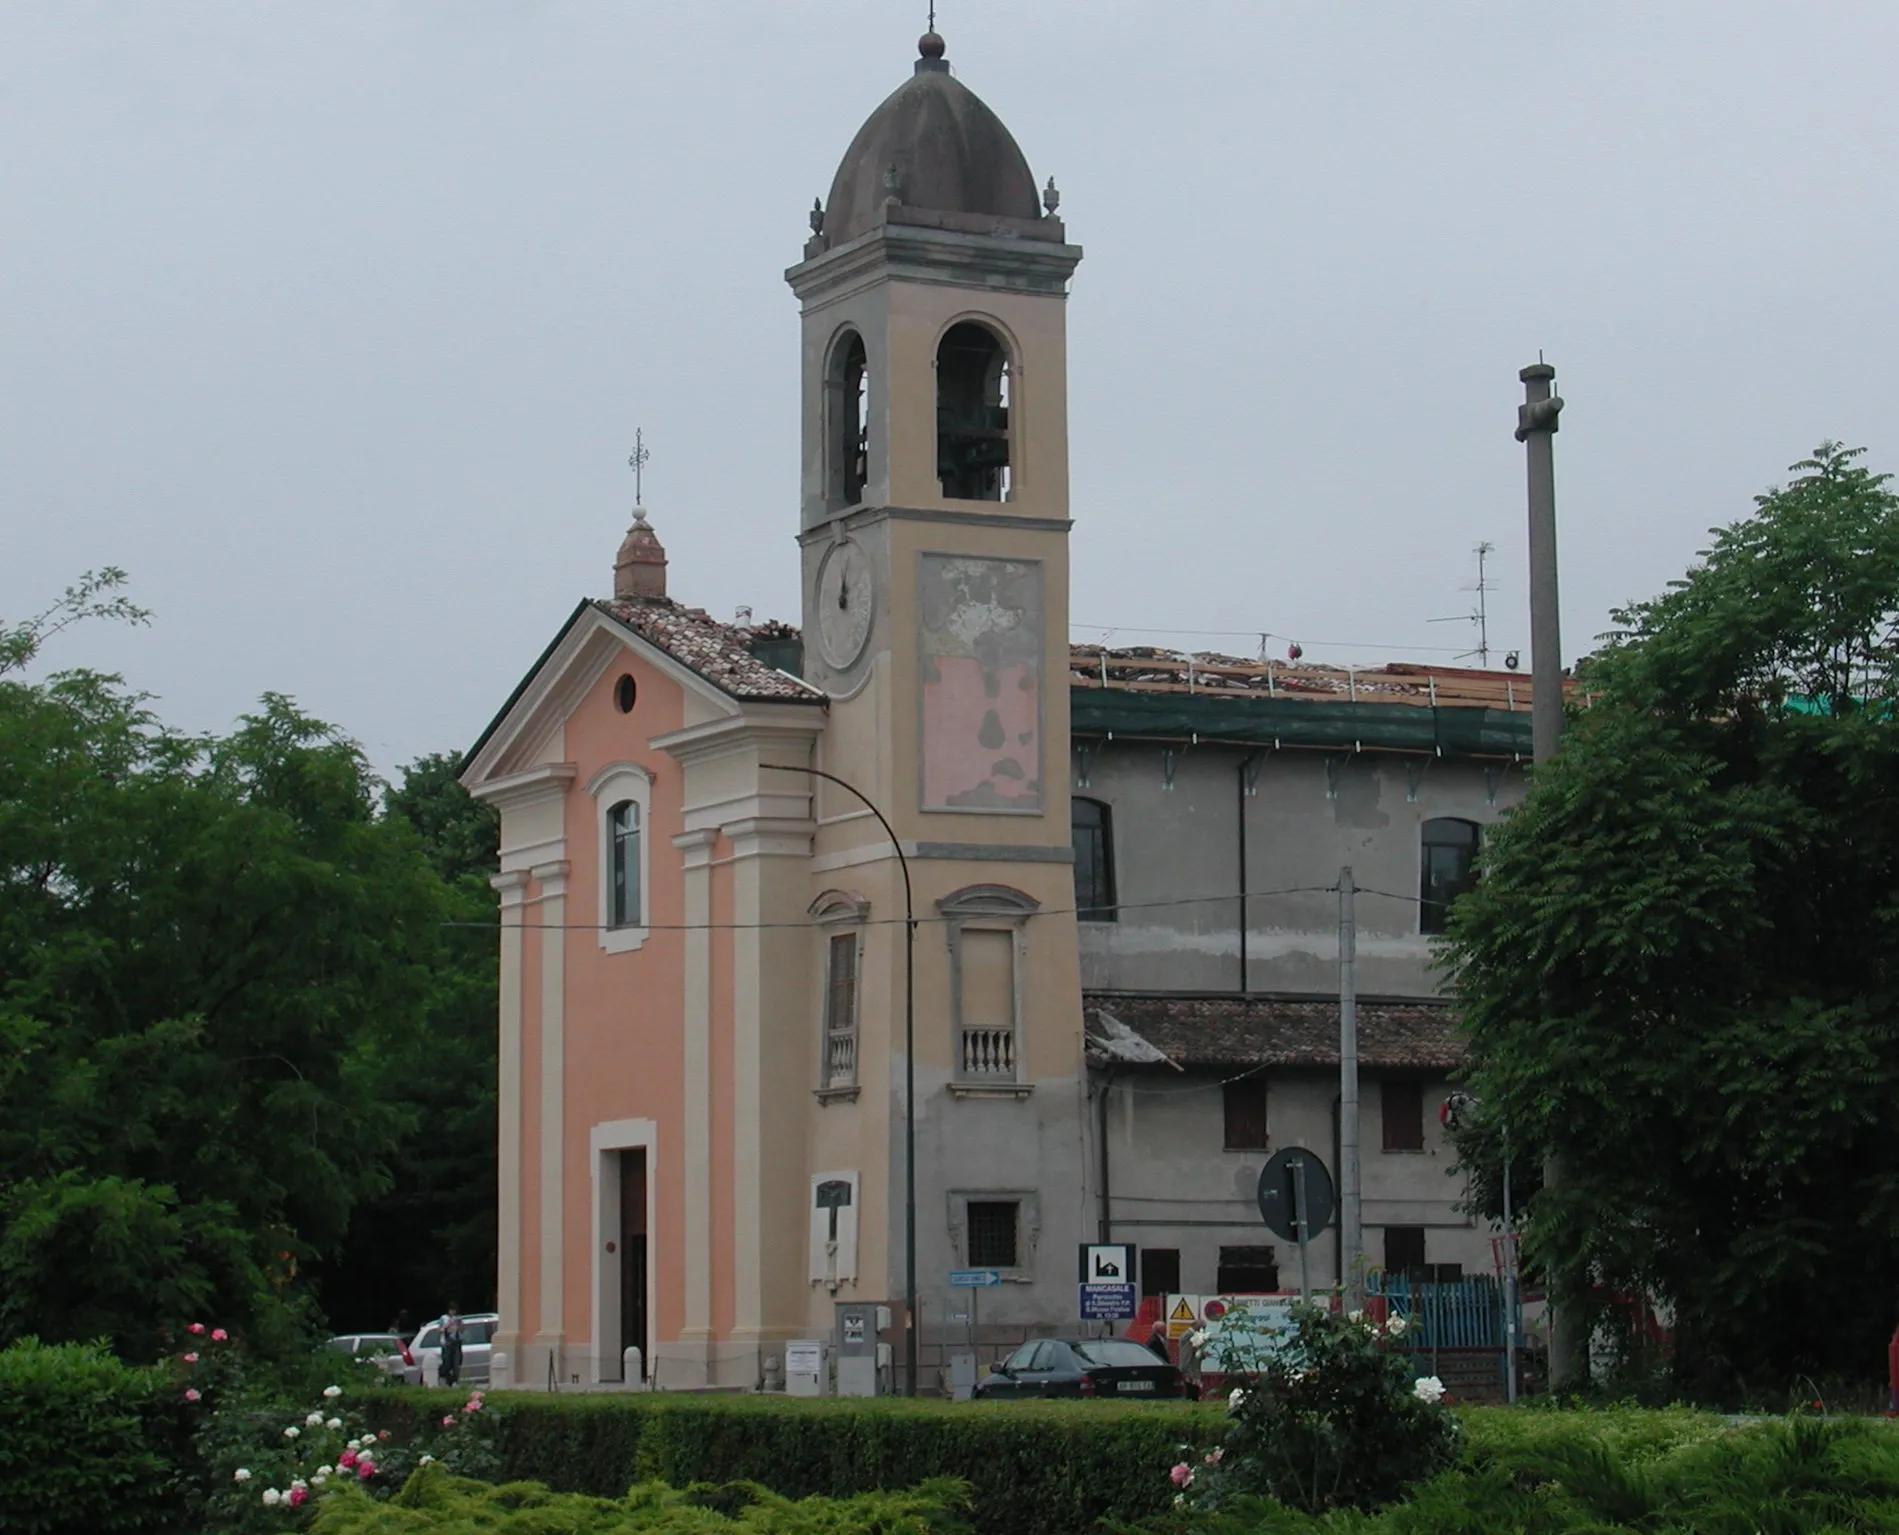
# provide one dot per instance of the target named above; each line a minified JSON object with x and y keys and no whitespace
{"x":1148,"y":669}
{"x":1229,"y":1030}
{"x":718,"y":652}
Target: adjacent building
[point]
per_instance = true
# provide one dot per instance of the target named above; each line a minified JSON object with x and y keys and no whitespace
{"x":777,"y":900}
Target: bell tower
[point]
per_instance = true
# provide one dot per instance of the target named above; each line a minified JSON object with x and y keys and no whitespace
{"x":934,"y":536}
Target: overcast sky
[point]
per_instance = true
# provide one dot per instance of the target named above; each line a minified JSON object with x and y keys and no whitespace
{"x":332,"y":322}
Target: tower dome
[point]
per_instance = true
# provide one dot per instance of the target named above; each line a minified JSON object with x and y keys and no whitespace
{"x":932,"y":146}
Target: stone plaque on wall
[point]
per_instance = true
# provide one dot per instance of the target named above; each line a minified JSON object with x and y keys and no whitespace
{"x":980,"y":652}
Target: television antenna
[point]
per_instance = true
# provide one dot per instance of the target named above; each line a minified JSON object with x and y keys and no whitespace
{"x":1480,"y":614}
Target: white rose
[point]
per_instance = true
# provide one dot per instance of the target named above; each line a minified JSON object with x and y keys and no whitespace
{"x":332,"y":1391}
{"x":1396,"y":1327}
{"x":300,"y":1482}
{"x":334,"y":1423}
{"x":1197,"y":1339}
{"x":356,"y":1444}
{"x":427,"y":1460}
{"x":292,"y":1432}
{"x":1428,"y":1388}
{"x":1354,"y":1316}
{"x":241,"y":1474}
{"x":314,"y":1419}
{"x":272,"y":1497}
{"x":1234,"y":1398}
{"x":318,"y":1479}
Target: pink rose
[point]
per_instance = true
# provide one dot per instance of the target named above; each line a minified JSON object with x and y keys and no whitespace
{"x":347,"y":1458}
{"x":365,"y":1469}
{"x":195,"y":1327}
{"x":1182,"y":1474}
{"x":191,"y":1358}
{"x":449,"y":1421}
{"x":193,"y":1394}
{"x":297,"y":1495}
{"x":219,"y":1335}
{"x":474,"y":1405}
{"x":386,"y":1433}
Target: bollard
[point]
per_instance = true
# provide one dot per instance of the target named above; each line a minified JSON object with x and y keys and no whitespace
{"x":500,"y":1372}
{"x":632,"y":1370}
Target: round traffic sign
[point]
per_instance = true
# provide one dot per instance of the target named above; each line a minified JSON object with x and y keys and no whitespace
{"x":1279,"y":1198}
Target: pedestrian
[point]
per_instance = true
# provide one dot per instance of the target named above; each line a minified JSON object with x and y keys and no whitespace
{"x":1892,"y":1375}
{"x":449,"y":1373}
{"x":1157,"y":1344}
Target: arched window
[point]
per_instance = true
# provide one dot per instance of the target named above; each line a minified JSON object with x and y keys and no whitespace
{"x":972,"y":414}
{"x":847,"y":413}
{"x":1447,"y":868}
{"x":623,"y":864}
{"x":1092,"y":827}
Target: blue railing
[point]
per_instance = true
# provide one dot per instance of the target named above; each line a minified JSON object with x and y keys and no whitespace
{"x":1463,"y":1313}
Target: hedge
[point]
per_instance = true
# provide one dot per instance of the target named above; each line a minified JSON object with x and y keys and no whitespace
{"x":1034,"y":1468}
{"x":88,"y":1444}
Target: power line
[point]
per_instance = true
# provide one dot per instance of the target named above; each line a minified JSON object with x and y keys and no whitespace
{"x":749,"y":927}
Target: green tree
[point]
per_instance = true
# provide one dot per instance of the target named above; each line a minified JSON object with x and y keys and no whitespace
{"x":428,"y":1240}
{"x":1678,"y":970}
{"x":209,"y":947}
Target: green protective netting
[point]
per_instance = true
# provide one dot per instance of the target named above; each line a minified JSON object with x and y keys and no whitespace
{"x":1335,"y":723}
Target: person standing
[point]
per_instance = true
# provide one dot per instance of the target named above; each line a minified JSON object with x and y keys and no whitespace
{"x":450,"y":1371}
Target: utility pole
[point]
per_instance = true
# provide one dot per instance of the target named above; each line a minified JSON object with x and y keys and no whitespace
{"x":1351,"y":1232}
{"x":1536,"y":429}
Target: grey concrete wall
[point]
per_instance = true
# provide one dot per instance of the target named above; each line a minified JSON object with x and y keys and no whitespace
{"x":1312,"y":812}
{"x":1174,"y":1186}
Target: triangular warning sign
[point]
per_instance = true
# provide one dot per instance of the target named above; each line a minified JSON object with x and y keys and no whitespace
{"x":1182,"y":1312}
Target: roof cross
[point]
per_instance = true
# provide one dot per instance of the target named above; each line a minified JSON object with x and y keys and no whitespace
{"x":636,"y":461}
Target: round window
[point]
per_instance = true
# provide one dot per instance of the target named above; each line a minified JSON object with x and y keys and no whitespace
{"x":625,"y":692}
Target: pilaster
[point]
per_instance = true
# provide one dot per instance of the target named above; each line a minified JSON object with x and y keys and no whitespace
{"x":552,"y":901}
{"x":512,"y":888}
{"x":696,"y":848}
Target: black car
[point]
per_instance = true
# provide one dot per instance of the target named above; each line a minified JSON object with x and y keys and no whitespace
{"x":1082,"y":1367}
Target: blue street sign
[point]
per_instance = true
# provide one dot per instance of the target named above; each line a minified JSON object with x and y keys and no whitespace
{"x":976,"y":1279}
{"x":1106,"y":1302}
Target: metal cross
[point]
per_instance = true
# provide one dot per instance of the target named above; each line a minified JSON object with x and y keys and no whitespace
{"x":636,"y":461}
{"x":932,"y":15}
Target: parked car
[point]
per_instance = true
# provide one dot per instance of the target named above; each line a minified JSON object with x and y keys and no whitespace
{"x":425,"y":1350}
{"x":385,"y":1350}
{"x":1116,"y":1367}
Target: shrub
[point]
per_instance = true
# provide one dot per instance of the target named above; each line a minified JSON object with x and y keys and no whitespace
{"x":436,"y":1502}
{"x":83,"y":1442}
{"x":1328,"y":1417}
{"x":1033,"y":1468}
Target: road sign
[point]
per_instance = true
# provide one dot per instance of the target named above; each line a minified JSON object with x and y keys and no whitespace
{"x":1107,"y":1302}
{"x":973,"y":1279}
{"x":1278,"y":1201}
{"x":1183,"y":1315}
{"x":1107,"y":1263}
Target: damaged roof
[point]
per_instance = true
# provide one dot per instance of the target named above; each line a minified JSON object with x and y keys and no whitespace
{"x":1229,"y":1030}
{"x":719,"y":652}
{"x":1146,"y":669}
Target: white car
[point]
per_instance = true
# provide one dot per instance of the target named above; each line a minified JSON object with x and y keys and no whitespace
{"x":425,"y":1350}
{"x":384,"y":1350}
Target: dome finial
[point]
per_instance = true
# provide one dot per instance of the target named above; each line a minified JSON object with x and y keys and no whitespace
{"x":930,"y":47}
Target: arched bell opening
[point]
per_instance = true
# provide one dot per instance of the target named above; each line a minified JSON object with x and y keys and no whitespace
{"x":973,"y":385}
{"x":847,"y":421}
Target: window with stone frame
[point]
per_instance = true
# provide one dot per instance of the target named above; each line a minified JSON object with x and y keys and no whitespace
{"x":986,"y":932}
{"x":840,"y":1009}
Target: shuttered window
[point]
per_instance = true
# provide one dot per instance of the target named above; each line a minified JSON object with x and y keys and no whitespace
{"x":1404,"y":1114}
{"x":1246,"y":1114}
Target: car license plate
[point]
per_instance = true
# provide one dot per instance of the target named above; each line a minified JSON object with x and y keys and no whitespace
{"x":1137,"y":1385}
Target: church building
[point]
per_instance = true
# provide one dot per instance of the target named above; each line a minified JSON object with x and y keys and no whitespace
{"x":780,"y":903}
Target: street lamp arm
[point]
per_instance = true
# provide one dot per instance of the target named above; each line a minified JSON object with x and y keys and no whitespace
{"x":909,"y":1069}
{"x":909,"y":902}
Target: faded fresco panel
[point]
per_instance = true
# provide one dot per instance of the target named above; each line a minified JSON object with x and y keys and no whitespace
{"x":980,"y":646}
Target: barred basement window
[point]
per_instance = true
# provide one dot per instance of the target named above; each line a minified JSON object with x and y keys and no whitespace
{"x":992,"y":1233}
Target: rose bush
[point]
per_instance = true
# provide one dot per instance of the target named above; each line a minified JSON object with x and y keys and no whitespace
{"x":1328,"y":1415}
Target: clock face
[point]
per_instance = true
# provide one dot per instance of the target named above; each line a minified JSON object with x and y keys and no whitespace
{"x":846,"y":604}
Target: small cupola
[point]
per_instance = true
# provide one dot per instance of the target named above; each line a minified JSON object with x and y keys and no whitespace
{"x":639,"y":569}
